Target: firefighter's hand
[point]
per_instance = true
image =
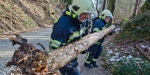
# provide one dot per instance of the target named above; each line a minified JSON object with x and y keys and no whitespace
{"x":69,"y":68}
{"x":111,"y":33}
{"x":83,"y":52}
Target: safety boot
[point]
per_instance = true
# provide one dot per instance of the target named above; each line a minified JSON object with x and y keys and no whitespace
{"x":88,"y":65}
{"x":94,"y":64}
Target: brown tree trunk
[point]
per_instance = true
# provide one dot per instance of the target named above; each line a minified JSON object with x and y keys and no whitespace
{"x":144,"y":51}
{"x":63,"y":55}
{"x":136,"y":8}
{"x":97,"y":4}
{"x":104,"y":4}
{"x":111,"y":7}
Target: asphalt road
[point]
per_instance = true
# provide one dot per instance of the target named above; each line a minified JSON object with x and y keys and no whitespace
{"x":40,"y":36}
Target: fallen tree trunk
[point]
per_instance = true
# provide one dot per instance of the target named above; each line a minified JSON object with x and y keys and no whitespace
{"x":144,"y":51}
{"x":33,"y":61}
{"x":63,"y":55}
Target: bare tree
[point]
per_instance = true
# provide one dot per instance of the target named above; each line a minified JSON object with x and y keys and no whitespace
{"x":136,"y":8}
{"x":97,"y":4}
{"x":104,"y":3}
{"x":111,"y":7}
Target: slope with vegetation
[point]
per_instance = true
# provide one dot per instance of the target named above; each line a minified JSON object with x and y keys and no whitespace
{"x":23,"y":15}
{"x":13,"y":19}
{"x":128,"y":53}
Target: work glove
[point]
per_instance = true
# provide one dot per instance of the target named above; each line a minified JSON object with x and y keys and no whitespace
{"x":70,"y":67}
{"x":83,"y":52}
{"x":75,"y":64}
{"x":111,"y":33}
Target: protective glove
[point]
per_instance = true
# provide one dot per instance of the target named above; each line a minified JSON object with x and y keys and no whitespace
{"x":83,"y":52}
{"x":111,"y":33}
{"x":75,"y":64}
{"x":69,"y":68}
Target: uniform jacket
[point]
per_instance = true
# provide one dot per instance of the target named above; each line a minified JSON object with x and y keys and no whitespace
{"x":66,"y":30}
{"x":98,"y":25}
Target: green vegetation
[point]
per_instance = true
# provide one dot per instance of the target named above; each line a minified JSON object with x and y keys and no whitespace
{"x":131,"y":67}
{"x":13,"y":19}
{"x":146,"y":6}
{"x":136,"y":29}
{"x":29,"y":23}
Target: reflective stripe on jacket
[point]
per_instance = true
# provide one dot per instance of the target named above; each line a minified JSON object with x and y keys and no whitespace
{"x":98,"y":25}
{"x":67,"y":29}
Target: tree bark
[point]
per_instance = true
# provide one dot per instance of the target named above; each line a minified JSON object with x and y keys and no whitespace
{"x":135,"y":8}
{"x":104,"y":3}
{"x":145,"y":52}
{"x":111,"y":7}
{"x":97,"y":4}
{"x":138,"y":8}
{"x":63,"y":55}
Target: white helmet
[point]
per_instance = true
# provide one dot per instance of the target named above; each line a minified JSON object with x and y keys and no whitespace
{"x":106,"y":13}
{"x":82,"y":6}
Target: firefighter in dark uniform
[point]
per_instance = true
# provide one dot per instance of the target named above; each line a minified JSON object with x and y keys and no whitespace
{"x":88,"y":25}
{"x":70,"y":28}
{"x":94,"y":51}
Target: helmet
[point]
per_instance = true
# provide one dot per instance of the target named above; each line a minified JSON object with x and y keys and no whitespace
{"x":106,"y":13}
{"x":82,"y":6}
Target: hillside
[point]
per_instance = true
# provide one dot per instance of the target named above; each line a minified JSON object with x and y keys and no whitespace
{"x":23,"y":15}
{"x":128,"y":51}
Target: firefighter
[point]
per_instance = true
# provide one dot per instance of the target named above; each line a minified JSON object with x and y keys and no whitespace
{"x":70,"y":28}
{"x":94,"y":51}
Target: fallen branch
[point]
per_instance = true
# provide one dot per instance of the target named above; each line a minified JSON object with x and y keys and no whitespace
{"x":144,"y":51}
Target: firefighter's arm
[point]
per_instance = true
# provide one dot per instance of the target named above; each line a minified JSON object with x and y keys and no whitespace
{"x":58,"y":39}
{"x":96,"y":26}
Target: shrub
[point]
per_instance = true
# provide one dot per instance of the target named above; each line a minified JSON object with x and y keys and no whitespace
{"x":131,"y":67}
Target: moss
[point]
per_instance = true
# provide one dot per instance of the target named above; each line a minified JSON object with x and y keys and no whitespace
{"x":146,"y":6}
{"x":131,"y":67}
{"x":135,"y":28}
{"x":124,"y":21}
